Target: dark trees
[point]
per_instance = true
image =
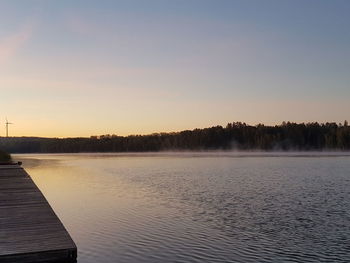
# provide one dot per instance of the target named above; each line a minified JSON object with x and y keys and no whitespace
{"x":235,"y":136}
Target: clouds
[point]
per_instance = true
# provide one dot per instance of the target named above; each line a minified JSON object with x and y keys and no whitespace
{"x":11,"y":44}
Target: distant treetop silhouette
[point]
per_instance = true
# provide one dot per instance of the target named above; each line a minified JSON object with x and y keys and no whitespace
{"x":235,"y":136}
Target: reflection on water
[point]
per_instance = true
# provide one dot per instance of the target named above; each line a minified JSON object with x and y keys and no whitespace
{"x":200,"y":207}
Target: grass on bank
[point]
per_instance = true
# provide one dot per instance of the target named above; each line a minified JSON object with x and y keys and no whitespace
{"x":5,"y":157}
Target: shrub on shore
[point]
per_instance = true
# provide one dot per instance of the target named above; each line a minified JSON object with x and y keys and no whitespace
{"x":4,"y":157}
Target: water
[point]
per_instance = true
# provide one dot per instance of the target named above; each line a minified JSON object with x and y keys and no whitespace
{"x":200,"y":207}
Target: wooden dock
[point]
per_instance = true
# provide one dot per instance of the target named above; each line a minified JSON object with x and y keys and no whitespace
{"x":30,"y":231}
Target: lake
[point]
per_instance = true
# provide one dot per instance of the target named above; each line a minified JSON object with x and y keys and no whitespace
{"x":200,"y":207}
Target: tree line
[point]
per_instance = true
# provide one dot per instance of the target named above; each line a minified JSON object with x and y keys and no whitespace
{"x":235,"y":136}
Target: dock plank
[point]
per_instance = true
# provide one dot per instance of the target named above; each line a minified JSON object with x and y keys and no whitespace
{"x":30,"y":231}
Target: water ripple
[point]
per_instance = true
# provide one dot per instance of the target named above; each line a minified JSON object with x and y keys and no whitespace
{"x":174,"y":208}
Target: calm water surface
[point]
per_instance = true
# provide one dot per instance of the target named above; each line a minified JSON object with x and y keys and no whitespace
{"x":197,"y":207}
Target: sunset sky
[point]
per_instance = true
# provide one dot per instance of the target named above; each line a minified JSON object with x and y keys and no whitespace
{"x":81,"y":68}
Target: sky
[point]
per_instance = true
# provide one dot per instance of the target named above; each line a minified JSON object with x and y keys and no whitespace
{"x":82,"y":68}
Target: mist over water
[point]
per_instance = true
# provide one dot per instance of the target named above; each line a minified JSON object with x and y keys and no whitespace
{"x":200,"y":207}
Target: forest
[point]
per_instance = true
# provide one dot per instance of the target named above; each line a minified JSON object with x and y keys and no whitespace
{"x":235,"y":136}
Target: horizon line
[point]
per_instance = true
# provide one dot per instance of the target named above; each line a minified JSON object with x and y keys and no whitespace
{"x":339,"y":124}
